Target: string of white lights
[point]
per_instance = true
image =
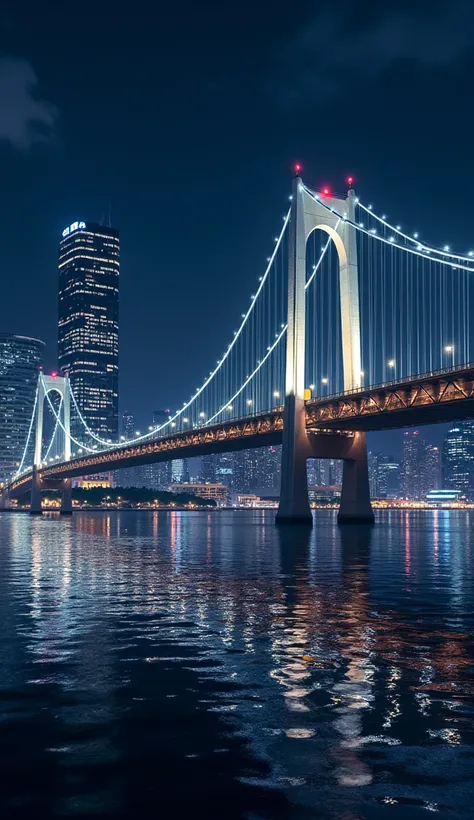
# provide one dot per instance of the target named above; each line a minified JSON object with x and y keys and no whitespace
{"x":362,"y":229}
{"x":30,"y":428}
{"x":275,"y":343}
{"x":69,"y":435}
{"x":212,"y":374}
{"x":421,"y":246}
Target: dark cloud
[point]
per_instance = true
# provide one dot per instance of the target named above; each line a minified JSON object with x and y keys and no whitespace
{"x":25,"y":118}
{"x":342,"y":46}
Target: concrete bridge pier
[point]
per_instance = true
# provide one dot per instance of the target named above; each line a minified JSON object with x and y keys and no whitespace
{"x":355,"y":506}
{"x":294,"y":503}
{"x":5,"y":501}
{"x":35,"y":503}
{"x":66,"y":497}
{"x":294,"y":500}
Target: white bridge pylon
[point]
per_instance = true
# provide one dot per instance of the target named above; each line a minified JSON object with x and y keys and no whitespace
{"x":47,"y":385}
{"x":307,"y":215}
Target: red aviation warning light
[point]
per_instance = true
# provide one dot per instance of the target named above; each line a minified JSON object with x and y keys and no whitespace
{"x":54,"y":374}
{"x":326,"y":191}
{"x":298,"y":168}
{"x":350,"y":181}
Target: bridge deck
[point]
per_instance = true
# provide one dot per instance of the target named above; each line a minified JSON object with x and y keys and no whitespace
{"x":444,"y":395}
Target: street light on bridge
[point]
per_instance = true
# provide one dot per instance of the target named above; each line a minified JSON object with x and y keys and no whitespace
{"x":392,"y":364}
{"x":450,"y":349}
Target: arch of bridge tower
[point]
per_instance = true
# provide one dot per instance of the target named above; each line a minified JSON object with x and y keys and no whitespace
{"x":317,"y":217}
{"x":47,"y":385}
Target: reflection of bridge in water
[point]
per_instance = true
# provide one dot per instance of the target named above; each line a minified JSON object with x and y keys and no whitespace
{"x":320,"y":626}
{"x":375,"y":303}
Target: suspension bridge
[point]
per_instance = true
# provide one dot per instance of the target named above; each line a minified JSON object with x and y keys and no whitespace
{"x":355,"y":325}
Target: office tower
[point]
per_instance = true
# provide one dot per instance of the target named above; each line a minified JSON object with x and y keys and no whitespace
{"x":129,"y":476}
{"x":88,"y":323}
{"x":256,"y":471}
{"x":128,"y":426}
{"x":225,"y":469}
{"x":458,"y":458}
{"x":20,"y":360}
{"x":179,"y":471}
{"x":384,"y":476}
{"x":314,"y":472}
{"x":208,"y":469}
{"x":432,"y":470}
{"x":421,"y":466}
{"x":413,"y":465}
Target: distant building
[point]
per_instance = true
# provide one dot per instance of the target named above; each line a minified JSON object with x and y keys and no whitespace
{"x":217,"y":492}
{"x":384,"y":476}
{"x":432,"y":471}
{"x":458,"y":458}
{"x":180,"y":471}
{"x":413,"y":483}
{"x":129,"y":476}
{"x":208,"y":468}
{"x":88,"y":324}
{"x":20,"y":360}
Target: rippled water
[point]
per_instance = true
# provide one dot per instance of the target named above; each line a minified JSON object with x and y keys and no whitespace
{"x":207,"y":664}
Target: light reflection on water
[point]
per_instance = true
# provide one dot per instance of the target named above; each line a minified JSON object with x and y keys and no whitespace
{"x":212,"y":664}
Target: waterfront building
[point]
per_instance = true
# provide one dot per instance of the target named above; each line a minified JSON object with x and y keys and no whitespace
{"x":413,"y":484}
{"x":20,"y":360}
{"x":215,"y":491}
{"x":88,"y":323}
{"x":384,"y":476}
{"x":179,"y":471}
{"x":458,"y":458}
{"x":208,"y":468}
{"x":432,"y":472}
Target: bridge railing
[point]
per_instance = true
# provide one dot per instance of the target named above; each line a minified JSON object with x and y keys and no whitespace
{"x":445,"y":371}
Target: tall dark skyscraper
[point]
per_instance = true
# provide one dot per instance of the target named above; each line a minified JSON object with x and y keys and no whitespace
{"x":88,"y":321}
{"x":20,"y":360}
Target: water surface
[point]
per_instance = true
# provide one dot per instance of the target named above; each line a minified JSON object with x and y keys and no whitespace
{"x":171,"y":664}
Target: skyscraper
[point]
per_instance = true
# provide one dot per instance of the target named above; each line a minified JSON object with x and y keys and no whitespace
{"x":384,"y":476}
{"x":458,"y":458}
{"x":88,"y":322}
{"x":420,"y":466}
{"x":20,"y":360}
{"x":413,"y":464}
{"x":432,"y":478}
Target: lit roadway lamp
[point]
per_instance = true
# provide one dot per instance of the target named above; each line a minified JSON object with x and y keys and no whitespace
{"x":392,"y":364}
{"x":450,"y":349}
{"x":324,"y":380}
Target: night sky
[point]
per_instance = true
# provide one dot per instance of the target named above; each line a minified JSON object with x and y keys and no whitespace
{"x":182,"y":121}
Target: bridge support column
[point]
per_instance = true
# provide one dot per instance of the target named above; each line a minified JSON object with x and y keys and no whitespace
{"x":355,"y":507}
{"x":5,"y":503}
{"x":35,"y":503}
{"x":294,"y":502}
{"x":66,"y":497}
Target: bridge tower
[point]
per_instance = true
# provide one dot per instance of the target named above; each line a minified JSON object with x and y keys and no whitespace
{"x":47,"y":385}
{"x":307,"y":215}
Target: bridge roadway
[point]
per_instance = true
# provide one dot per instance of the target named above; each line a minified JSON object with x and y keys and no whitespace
{"x":444,"y":395}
